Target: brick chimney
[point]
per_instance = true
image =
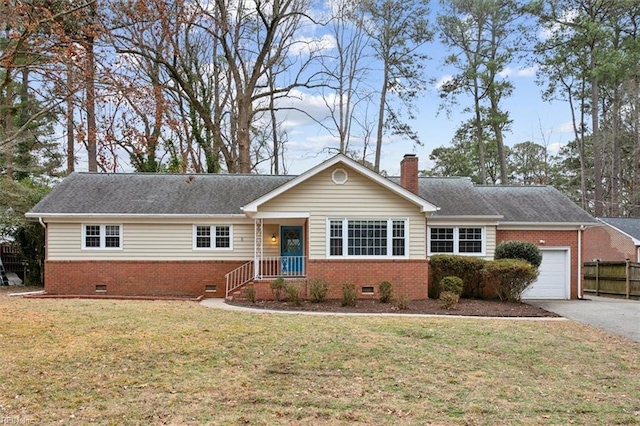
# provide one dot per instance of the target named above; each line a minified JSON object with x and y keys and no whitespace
{"x":409,"y":173}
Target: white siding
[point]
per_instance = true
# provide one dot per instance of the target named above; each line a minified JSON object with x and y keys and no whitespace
{"x":150,"y":241}
{"x":491,"y":242}
{"x":359,"y":197}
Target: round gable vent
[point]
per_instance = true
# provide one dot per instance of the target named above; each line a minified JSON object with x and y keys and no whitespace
{"x":339,"y":176}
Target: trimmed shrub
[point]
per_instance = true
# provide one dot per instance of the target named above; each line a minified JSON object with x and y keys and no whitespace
{"x":451,"y":285}
{"x":250,"y":293}
{"x":519,"y":250}
{"x":449,"y":299}
{"x":467,"y":268}
{"x":401,"y":302}
{"x":293,"y":294}
{"x":318,"y":289}
{"x":510,"y":277}
{"x":386,"y":291}
{"x":277,"y":287}
{"x":349,"y":295}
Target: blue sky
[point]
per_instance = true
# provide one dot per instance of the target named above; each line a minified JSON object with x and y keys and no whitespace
{"x":533,"y":119}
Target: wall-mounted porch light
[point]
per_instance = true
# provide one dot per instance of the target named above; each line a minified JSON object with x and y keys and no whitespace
{"x":273,"y":238}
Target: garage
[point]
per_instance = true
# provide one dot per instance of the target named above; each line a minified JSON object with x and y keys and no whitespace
{"x":553,"y":281}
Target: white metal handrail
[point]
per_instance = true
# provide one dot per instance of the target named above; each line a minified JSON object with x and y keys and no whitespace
{"x":239,"y":277}
{"x":281,"y":266}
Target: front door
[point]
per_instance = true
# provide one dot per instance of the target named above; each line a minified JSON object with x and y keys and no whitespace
{"x":291,"y":250}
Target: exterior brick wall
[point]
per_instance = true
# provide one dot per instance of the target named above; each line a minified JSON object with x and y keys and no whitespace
{"x":138,"y":278}
{"x":408,"y":277}
{"x":551,"y":239}
{"x":608,"y":244}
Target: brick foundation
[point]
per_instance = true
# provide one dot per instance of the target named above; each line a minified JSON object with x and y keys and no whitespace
{"x":551,"y":239}
{"x":138,"y":278}
{"x":408,"y":277}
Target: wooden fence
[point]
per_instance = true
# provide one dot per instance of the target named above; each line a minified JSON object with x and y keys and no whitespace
{"x":612,"y":279}
{"x":12,"y":259}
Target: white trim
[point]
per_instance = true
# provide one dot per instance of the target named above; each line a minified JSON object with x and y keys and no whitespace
{"x":456,"y":240}
{"x":212,"y":237}
{"x":545,"y":226}
{"x":339,"y":182}
{"x":345,"y":237}
{"x":450,"y":220}
{"x":133,"y":216}
{"x":103,"y":235}
{"x":280,"y":215}
{"x":425,"y":206}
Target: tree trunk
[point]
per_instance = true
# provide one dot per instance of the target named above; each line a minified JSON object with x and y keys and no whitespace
{"x":90,"y":74}
{"x":497,"y":130}
{"x":244,"y":135}
{"x":381,"y":110}
{"x":595,"y":136}
{"x":71,"y":160}
{"x":480,"y":139}
{"x":8,"y":129}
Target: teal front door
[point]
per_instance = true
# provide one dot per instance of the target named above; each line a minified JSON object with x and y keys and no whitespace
{"x":291,"y":250}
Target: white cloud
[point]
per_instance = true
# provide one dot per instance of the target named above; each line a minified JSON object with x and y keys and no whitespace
{"x":549,"y":31}
{"x":566,"y":127}
{"x":521,"y":72}
{"x":307,"y":45}
{"x":443,"y":80}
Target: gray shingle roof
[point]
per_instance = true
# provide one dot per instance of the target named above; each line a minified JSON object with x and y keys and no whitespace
{"x":455,"y":197}
{"x":628,"y":225}
{"x":541,"y":204}
{"x":221,"y":194}
{"x":139,"y":193}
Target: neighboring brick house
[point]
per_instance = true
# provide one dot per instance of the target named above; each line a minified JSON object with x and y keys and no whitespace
{"x":617,"y":239}
{"x":167,"y":234}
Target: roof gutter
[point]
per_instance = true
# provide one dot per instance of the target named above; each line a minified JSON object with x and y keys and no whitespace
{"x":41,"y":216}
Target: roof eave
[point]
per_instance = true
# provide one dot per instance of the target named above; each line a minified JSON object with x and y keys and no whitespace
{"x":546,"y":225}
{"x":31,"y":215}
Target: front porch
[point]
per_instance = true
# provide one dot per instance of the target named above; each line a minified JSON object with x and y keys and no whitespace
{"x":280,"y":247}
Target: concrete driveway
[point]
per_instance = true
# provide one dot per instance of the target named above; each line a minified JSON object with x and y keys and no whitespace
{"x":618,"y":316}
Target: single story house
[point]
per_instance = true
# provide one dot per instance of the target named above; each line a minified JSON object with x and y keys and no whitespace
{"x":617,"y":239}
{"x":170,"y":234}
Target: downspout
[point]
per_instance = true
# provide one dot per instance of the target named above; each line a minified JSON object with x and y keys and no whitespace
{"x":42,"y":222}
{"x":580,"y":295}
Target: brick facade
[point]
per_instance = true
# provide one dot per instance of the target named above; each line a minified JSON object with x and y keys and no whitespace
{"x":550,"y":239}
{"x":608,"y":244}
{"x":408,"y":277}
{"x":138,"y":278}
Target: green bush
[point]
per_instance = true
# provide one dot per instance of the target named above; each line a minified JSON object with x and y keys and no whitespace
{"x":293,"y":294}
{"x":318,"y":289}
{"x":449,"y":299}
{"x":386,"y":291}
{"x":401,"y":302}
{"x":250,"y":293}
{"x":510,"y":277}
{"x":277,"y":287}
{"x":468,"y":268}
{"x":451,"y":285}
{"x":519,"y":250}
{"x":349,"y":295}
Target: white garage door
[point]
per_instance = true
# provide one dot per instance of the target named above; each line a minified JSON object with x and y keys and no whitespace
{"x":553,"y":281}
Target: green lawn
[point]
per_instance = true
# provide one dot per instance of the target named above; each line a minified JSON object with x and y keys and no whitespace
{"x":134,"y":362}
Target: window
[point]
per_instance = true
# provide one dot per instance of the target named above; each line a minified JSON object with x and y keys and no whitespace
{"x":456,"y":240}
{"x":470,"y":240}
{"x":367,"y":237}
{"x":212,"y":237}
{"x":107,"y":237}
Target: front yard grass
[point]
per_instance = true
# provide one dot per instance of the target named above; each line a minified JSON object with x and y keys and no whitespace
{"x":135,"y":362}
